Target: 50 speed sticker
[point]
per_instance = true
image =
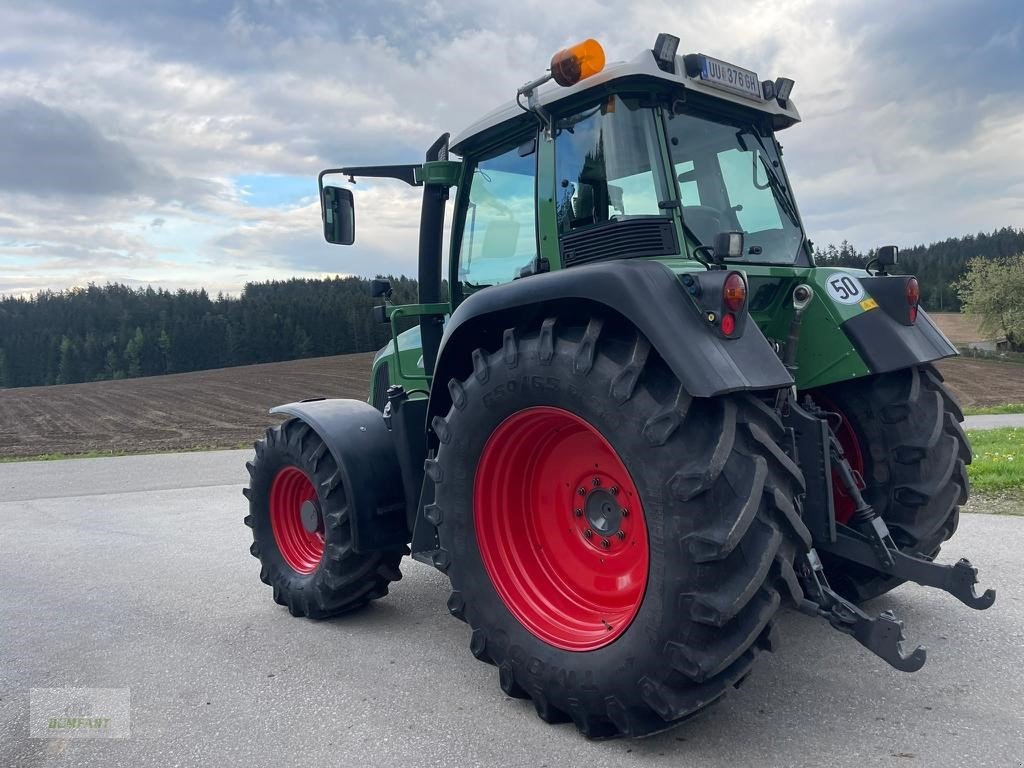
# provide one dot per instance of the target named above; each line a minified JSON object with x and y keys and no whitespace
{"x":846,"y":289}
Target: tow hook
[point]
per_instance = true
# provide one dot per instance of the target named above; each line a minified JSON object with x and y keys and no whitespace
{"x":882,"y":635}
{"x":863,"y":546}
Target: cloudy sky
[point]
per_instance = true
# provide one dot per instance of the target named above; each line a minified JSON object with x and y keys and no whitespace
{"x":176,"y":142}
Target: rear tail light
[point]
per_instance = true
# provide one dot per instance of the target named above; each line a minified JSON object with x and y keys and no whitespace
{"x":913,"y":294}
{"x":734,"y":292}
{"x":734,"y":296}
{"x":721,"y":298}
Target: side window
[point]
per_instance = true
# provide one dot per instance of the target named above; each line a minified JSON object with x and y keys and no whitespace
{"x":499,"y":236}
{"x":748,"y":190}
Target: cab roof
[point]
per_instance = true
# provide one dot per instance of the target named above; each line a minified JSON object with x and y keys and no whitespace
{"x":644,"y":66}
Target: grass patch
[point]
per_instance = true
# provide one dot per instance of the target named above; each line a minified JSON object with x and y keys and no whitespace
{"x":110,"y":454}
{"x":998,"y":464}
{"x":987,"y":410}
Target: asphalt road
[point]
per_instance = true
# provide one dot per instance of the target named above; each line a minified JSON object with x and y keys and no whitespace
{"x":994,"y":421}
{"x":135,"y":572}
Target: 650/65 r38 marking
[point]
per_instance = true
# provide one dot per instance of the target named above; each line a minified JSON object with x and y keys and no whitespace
{"x":618,"y":548}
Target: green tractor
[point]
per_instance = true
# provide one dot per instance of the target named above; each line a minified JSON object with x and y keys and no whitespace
{"x":641,"y":421}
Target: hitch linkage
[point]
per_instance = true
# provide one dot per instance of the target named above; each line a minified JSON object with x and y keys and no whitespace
{"x":866,"y":539}
{"x":882,"y":635}
{"x":863,"y":547}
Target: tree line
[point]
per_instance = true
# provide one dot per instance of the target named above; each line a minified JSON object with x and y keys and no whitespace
{"x":114,"y":331}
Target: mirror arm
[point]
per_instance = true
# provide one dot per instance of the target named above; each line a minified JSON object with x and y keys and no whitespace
{"x":406,"y":173}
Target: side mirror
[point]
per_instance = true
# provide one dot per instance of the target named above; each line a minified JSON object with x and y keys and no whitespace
{"x":380,"y":286}
{"x":339,"y":214}
{"x":887,"y":255}
{"x":728,"y":245}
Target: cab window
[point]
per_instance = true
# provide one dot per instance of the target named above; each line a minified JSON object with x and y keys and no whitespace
{"x":499,"y":233}
{"x":749,"y":192}
{"x":608,"y":165}
{"x":731,"y":178}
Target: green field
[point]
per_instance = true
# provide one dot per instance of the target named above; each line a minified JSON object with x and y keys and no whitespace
{"x":998,"y":464}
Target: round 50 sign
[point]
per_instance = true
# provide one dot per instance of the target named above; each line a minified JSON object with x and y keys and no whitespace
{"x":846,"y":289}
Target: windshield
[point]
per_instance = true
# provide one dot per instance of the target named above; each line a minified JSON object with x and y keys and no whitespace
{"x":730,"y":179}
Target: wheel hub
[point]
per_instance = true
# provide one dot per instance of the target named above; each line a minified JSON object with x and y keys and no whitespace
{"x":310,"y":514}
{"x":600,"y":510}
{"x":603,"y":512}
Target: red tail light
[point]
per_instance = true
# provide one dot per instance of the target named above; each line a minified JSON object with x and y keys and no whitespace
{"x":913,"y":293}
{"x":734,"y":292}
{"x":728,"y":324}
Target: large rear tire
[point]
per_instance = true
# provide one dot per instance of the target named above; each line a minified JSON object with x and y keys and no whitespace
{"x":618,"y":548}
{"x":300,"y":528}
{"x":902,"y":431}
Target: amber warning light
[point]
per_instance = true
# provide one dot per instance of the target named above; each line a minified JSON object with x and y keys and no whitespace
{"x":570,"y":65}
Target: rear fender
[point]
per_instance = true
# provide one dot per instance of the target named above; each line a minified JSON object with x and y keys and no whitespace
{"x":645,"y":293}
{"x":363,"y":448}
{"x":886,"y":338}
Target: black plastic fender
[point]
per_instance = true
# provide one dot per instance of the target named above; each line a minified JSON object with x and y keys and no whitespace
{"x":886,"y":344}
{"x":647,"y":294}
{"x":363,"y":447}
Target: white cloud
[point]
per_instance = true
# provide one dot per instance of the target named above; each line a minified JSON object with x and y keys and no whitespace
{"x":897,"y":145}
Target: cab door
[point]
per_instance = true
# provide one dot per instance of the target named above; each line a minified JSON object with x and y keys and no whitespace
{"x":495,"y":240}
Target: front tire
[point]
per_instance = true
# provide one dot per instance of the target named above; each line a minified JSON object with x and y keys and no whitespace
{"x":301,"y":532}
{"x":665,"y":605}
{"x":902,"y":431}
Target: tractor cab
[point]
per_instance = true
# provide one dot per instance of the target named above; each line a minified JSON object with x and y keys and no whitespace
{"x":650,"y":158}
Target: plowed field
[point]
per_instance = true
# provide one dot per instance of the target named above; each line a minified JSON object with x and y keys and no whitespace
{"x":206,"y":409}
{"x":227,"y":407}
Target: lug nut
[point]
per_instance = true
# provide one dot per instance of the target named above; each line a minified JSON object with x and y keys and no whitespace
{"x":578,"y":512}
{"x":605,"y":543}
{"x":581,"y":491}
{"x":621,"y":535}
{"x":624,"y":512}
{"x":597,"y":481}
{"x":588,"y":533}
{"x":615,"y":490}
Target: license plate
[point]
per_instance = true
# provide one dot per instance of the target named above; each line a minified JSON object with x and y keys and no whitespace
{"x":729,"y":77}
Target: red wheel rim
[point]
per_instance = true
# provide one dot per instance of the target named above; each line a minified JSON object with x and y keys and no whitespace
{"x":842,"y":501}
{"x":560,"y":528}
{"x":300,"y":548}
